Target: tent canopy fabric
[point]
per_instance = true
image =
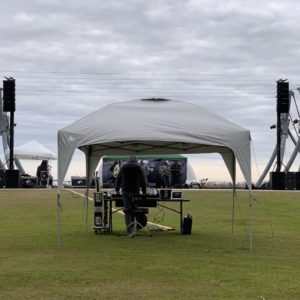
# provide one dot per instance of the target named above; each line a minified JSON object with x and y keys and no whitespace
{"x":154,"y":126}
{"x":33,"y":150}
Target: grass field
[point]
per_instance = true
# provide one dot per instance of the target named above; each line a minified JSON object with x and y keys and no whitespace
{"x":211,"y":263}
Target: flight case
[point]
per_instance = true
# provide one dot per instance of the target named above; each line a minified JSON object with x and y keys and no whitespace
{"x":101,"y":213}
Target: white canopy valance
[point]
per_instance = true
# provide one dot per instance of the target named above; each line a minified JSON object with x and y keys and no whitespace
{"x":154,"y":126}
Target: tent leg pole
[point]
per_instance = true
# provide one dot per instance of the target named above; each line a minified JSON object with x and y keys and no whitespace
{"x":233,"y":211}
{"x":88,"y":167}
{"x":86,"y":209}
{"x":233,"y":194}
{"x":58,"y":221}
{"x":250,"y":223}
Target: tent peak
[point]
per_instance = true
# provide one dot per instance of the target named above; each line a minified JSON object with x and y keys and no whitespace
{"x":155,"y":99}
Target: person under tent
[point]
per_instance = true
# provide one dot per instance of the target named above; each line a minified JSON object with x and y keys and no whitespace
{"x":42,"y":174}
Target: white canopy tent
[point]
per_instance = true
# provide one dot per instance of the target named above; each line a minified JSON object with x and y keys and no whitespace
{"x":33,"y":150}
{"x":153,"y":126}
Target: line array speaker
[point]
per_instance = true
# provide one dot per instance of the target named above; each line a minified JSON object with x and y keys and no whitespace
{"x":283,"y":101}
{"x":9,"y":95}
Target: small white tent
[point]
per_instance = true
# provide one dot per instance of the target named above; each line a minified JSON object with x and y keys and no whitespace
{"x":33,"y":150}
{"x":152,"y":126}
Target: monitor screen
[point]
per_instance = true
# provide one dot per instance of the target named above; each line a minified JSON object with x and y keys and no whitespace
{"x":176,"y":195}
{"x":165,"y":194}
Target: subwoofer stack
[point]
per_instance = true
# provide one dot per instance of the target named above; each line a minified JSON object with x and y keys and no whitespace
{"x":285,"y":181}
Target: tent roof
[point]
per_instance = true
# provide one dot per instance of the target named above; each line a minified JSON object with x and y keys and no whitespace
{"x":33,"y":150}
{"x":154,"y":126}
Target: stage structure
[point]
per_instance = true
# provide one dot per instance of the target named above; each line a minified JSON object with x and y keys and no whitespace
{"x":10,"y":176}
{"x":280,"y":177}
{"x":12,"y":173}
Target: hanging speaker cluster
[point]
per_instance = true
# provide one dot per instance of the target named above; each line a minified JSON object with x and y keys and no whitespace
{"x":9,"y":95}
{"x":283,"y":101}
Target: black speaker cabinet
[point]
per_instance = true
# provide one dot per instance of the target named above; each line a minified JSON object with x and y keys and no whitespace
{"x":28,"y":182}
{"x":78,"y":182}
{"x":297,"y":180}
{"x":290,"y":181}
{"x":283,"y":102}
{"x":12,"y":178}
{"x":277,"y":180}
{"x":1,"y":178}
{"x":187,"y":225}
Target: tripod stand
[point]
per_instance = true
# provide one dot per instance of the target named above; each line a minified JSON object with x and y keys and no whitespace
{"x":135,"y":216}
{"x":139,"y":221}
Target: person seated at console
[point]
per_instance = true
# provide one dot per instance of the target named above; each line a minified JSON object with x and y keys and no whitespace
{"x":131,"y":179}
{"x":42,"y":174}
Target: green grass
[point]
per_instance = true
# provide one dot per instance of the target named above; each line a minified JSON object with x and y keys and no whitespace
{"x":209,"y":264}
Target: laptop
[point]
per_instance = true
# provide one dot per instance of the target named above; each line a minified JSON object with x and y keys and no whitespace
{"x":176,"y":195}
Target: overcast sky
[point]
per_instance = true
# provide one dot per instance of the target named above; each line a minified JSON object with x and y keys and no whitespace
{"x":70,"y":58}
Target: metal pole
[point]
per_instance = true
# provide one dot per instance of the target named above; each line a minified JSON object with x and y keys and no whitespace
{"x":267,"y":168}
{"x":234,"y":195}
{"x":1,"y":125}
{"x":278,"y":164}
{"x":293,"y":156}
{"x":292,"y":137}
{"x":88,"y":167}
{"x":11,"y":140}
{"x":59,"y":210}
{"x":250,"y":222}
